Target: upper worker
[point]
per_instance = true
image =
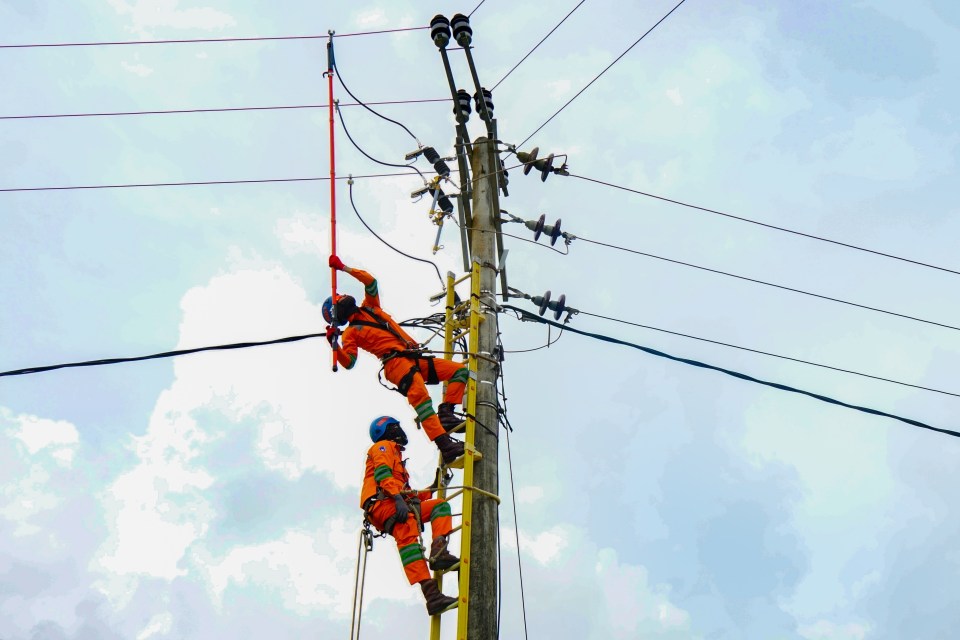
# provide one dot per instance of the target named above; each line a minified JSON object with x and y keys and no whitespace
{"x":404,"y":364}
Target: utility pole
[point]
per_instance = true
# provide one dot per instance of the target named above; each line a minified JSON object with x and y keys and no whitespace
{"x":482,"y":623}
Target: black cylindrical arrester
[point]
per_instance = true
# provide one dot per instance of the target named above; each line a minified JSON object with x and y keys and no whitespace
{"x":487,"y":98}
{"x":462,"y":108}
{"x":462,"y":32}
{"x":440,"y":31}
{"x":444,"y":203}
{"x":434,"y":158}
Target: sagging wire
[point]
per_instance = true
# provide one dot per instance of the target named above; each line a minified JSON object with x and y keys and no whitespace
{"x":736,"y":374}
{"x":343,"y":124}
{"x":550,"y":342}
{"x":364,"y":222}
{"x":364,"y":105}
{"x":502,"y":415}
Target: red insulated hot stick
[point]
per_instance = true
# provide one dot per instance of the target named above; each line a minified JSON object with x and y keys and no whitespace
{"x":333,"y":190}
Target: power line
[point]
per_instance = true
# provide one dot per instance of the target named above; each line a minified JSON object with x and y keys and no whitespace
{"x":771,"y":284}
{"x":736,"y":374}
{"x":156,"y":356}
{"x":407,"y":255}
{"x":597,"y":77}
{"x":362,"y":104}
{"x":207,"y":182}
{"x":764,"y":224}
{"x":199,"y":40}
{"x":772,"y":355}
{"x":217,"y":110}
{"x":538,"y":44}
{"x":470,"y":15}
{"x":343,"y":123}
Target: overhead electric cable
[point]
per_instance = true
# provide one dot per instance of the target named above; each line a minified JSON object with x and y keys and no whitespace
{"x":764,"y":224}
{"x":770,"y":284}
{"x":198,"y":40}
{"x":156,"y":356}
{"x":407,"y":255}
{"x":470,"y":15}
{"x":736,"y":374}
{"x":214,"y":110}
{"x":538,"y":44}
{"x":364,"y":105}
{"x":343,"y":123}
{"x":772,"y":355}
{"x":597,"y":77}
{"x":206,"y":182}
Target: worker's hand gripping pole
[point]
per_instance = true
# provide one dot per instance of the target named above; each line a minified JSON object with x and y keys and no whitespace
{"x":331,"y":64}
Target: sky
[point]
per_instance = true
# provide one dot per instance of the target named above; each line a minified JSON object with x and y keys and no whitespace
{"x":215,"y":495}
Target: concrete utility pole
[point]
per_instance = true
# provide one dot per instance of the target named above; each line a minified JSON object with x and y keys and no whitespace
{"x":482,"y":623}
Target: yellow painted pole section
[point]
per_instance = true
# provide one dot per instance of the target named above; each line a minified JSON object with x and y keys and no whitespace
{"x":441,"y":490}
{"x":471,"y":408}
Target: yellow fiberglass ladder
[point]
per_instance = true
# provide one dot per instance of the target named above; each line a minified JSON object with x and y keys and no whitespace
{"x":456,"y":327}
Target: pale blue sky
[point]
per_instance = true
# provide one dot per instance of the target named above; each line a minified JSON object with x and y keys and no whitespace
{"x":215,"y":495}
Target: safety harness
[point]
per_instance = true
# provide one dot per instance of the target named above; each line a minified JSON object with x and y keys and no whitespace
{"x":414,"y":354}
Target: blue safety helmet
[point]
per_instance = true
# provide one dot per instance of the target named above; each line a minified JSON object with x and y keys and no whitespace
{"x":387,"y":428}
{"x":346,"y":305}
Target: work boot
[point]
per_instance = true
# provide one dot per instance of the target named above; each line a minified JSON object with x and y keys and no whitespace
{"x":448,"y":419}
{"x":449,"y":448}
{"x":440,"y":558}
{"x":436,"y":601}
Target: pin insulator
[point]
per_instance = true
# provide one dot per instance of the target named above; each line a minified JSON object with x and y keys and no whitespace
{"x":528,"y":159}
{"x":487,"y":98}
{"x":538,"y":226}
{"x":440,"y":31}
{"x":462,"y":108}
{"x":546,"y":168}
{"x":462,"y":32}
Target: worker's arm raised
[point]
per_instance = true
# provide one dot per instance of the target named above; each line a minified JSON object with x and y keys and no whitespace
{"x":371,"y":297}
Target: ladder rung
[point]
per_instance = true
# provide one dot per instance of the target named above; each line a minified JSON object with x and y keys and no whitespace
{"x":455,"y":567}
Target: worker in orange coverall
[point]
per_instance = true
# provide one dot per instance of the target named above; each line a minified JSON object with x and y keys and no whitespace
{"x":387,"y":501}
{"x":373,"y":330}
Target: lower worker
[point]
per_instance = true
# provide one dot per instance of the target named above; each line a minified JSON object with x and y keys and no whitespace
{"x":404,"y":363}
{"x":391,"y":506}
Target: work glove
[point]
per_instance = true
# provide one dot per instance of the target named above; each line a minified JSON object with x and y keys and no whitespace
{"x":332,"y":333}
{"x":403,"y":512}
{"x":336,"y":263}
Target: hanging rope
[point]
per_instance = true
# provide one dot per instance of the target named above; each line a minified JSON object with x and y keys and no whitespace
{"x":364,"y":546}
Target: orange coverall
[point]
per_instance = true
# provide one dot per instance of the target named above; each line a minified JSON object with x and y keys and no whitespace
{"x":381,"y":342}
{"x":385,"y":475}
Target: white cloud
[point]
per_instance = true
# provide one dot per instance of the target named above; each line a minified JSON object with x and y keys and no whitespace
{"x":37,"y":433}
{"x":372,"y":18}
{"x":159,"y":624}
{"x":40,"y":452}
{"x":827,"y":630}
{"x":148,"y":14}
{"x":633,"y":607}
{"x":306,"y":569}
{"x":674,"y":96}
{"x":529,"y":495}
{"x":139,"y":69}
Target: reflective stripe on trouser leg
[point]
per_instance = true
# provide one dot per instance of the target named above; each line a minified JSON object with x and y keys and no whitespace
{"x":417,"y":396}
{"x":411,"y":554}
{"x":455,"y":374}
{"x":438,"y":512}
